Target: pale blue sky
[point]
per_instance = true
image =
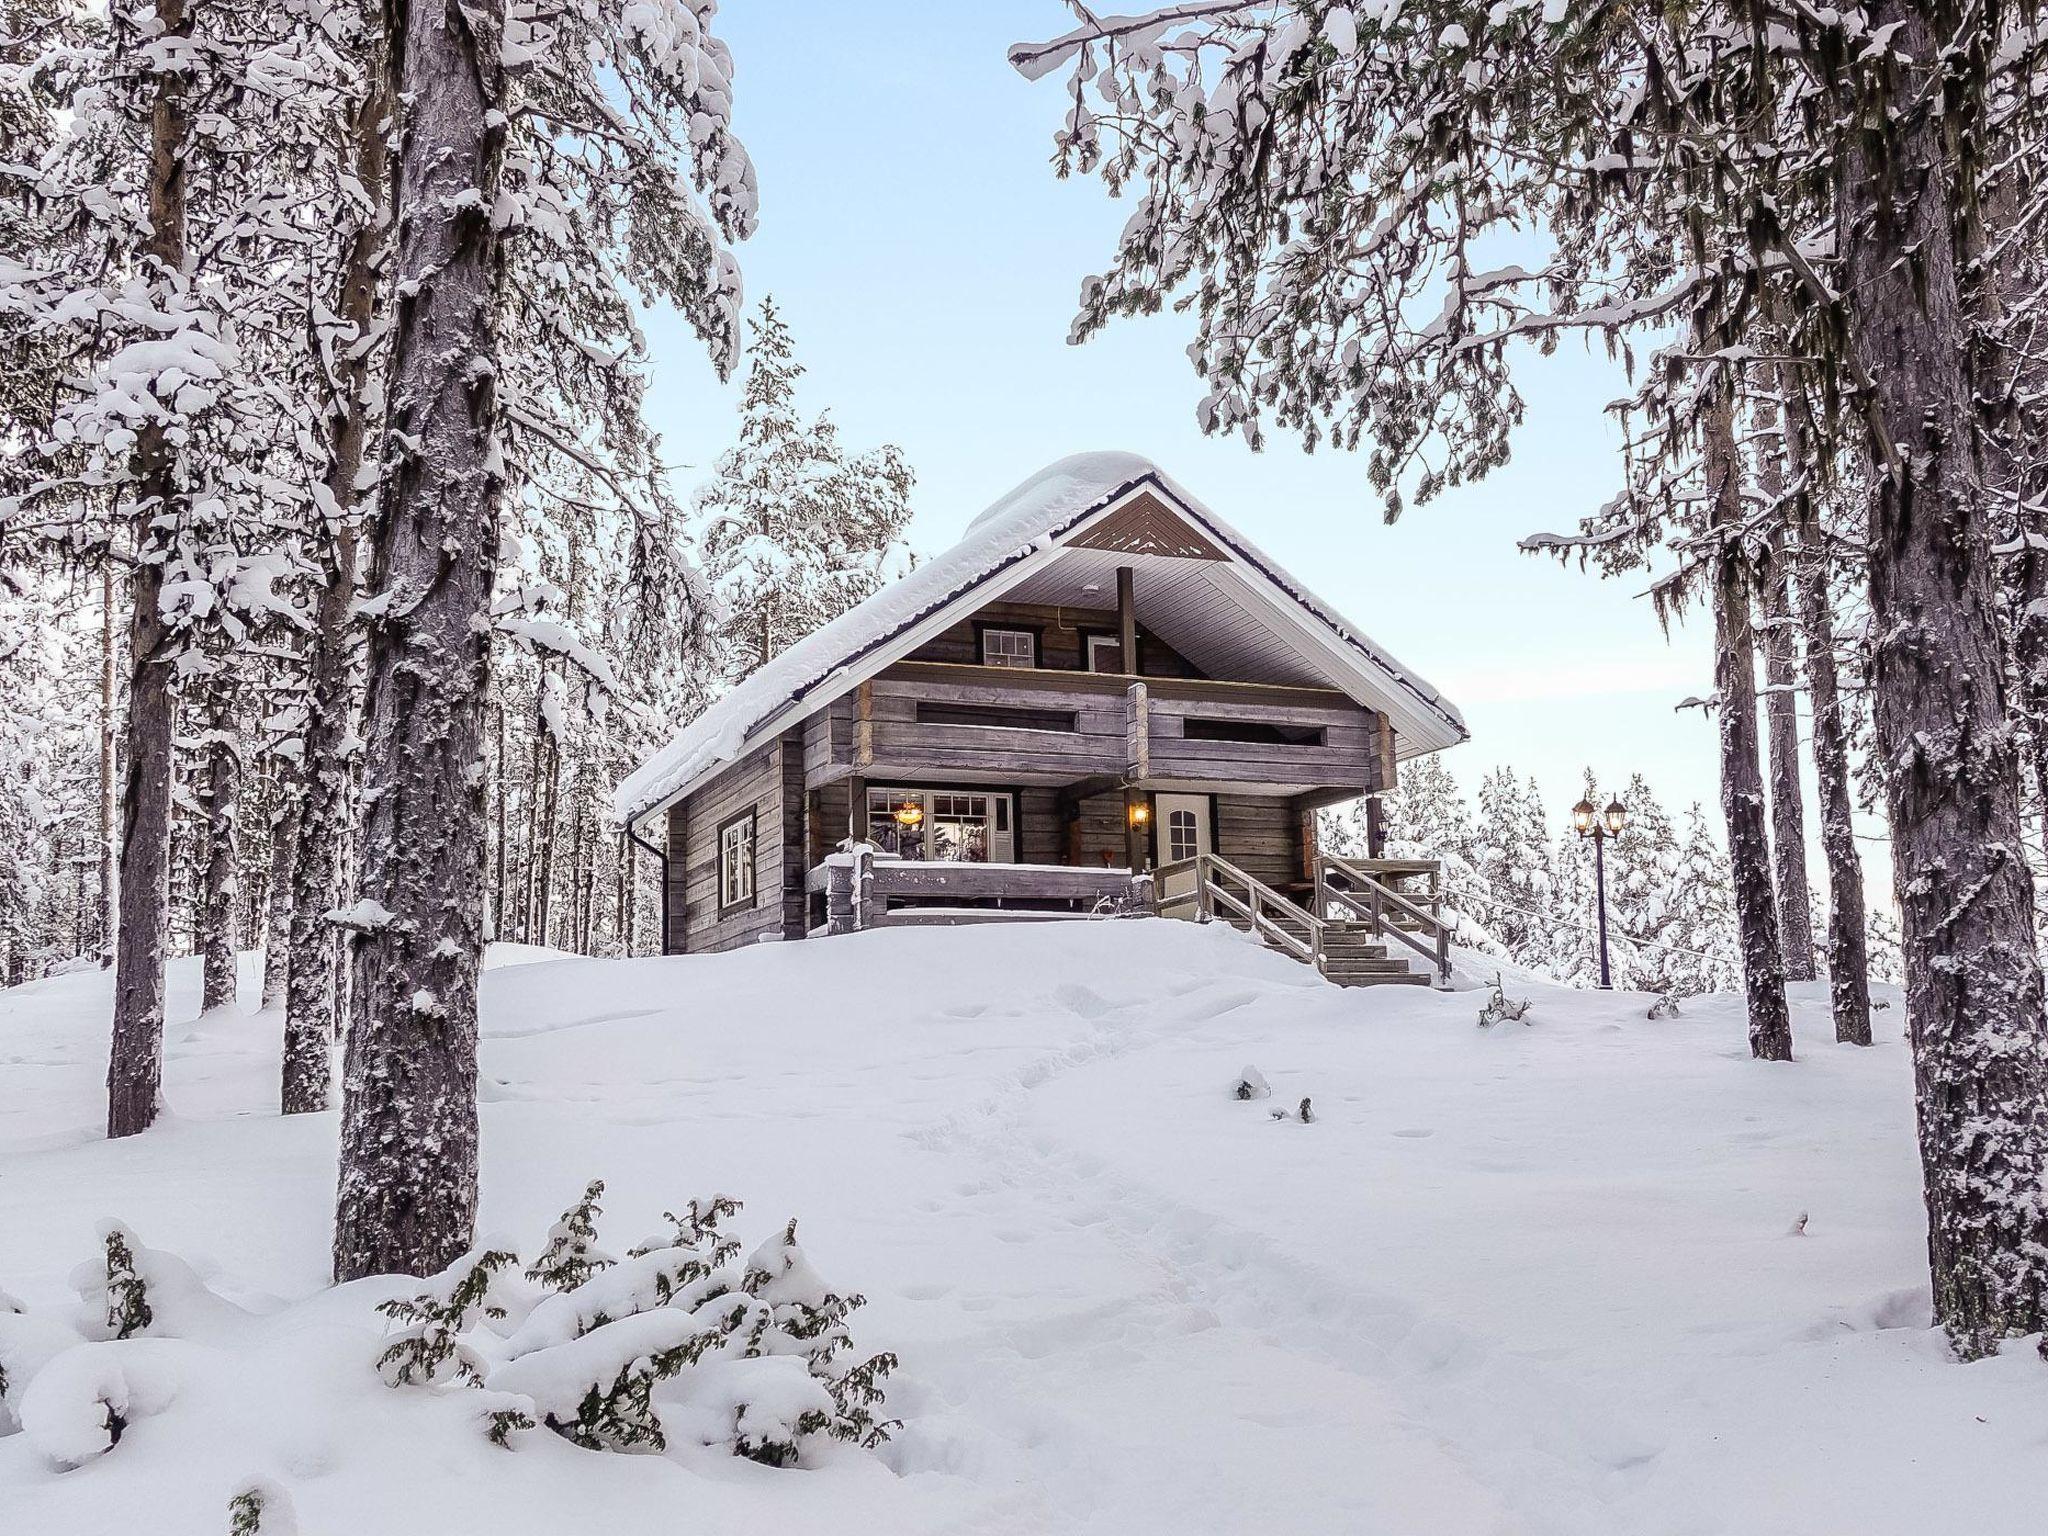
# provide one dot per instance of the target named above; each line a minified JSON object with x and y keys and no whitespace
{"x":927,"y":261}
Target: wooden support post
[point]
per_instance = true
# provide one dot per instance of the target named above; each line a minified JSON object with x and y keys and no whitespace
{"x":863,"y":728}
{"x":1127,"y":618}
{"x":1134,"y":831}
{"x":1375,"y":828}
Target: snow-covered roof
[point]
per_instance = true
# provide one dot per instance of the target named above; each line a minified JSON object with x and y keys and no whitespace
{"x":1019,"y":531}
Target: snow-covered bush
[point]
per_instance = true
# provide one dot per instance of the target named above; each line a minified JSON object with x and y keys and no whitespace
{"x":263,"y":1508}
{"x":430,"y":1348}
{"x":799,"y":1314}
{"x":1499,"y":1006}
{"x":676,"y":1340}
{"x":571,"y":1255}
{"x":79,"y":1404}
{"x":1252,"y":1084}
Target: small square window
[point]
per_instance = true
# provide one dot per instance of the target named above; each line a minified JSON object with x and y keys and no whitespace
{"x":1009,"y":648}
{"x":736,"y":863}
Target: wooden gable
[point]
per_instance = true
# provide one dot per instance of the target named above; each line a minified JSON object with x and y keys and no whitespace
{"x":1147,"y":526}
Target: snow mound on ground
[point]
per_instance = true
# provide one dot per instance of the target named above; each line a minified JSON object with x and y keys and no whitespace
{"x":1533,"y":1281}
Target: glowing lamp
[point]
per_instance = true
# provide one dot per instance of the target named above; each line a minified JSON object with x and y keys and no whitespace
{"x":1617,"y":816}
{"x":1582,"y":817}
{"x":1139,"y":812}
{"x":909,"y":813}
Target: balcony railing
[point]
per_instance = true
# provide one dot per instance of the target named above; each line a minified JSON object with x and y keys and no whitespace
{"x":927,"y":720}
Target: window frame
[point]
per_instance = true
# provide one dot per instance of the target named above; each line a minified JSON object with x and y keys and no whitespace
{"x":749,"y":819}
{"x":1090,"y":638}
{"x":1036,"y":632}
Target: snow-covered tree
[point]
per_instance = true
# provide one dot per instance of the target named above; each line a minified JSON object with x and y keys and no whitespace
{"x":794,"y":529}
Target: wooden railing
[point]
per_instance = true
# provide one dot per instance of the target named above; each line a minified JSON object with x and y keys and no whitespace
{"x":1218,"y":883}
{"x":1357,"y":888}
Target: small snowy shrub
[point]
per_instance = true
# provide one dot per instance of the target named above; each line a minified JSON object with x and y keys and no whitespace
{"x":676,"y":1339}
{"x":1499,"y":1008}
{"x":1252,"y":1084}
{"x":430,"y":1347}
{"x":801,"y":1315}
{"x":262,"y":1509}
{"x":1666,"y":1007}
{"x":571,"y":1255}
{"x":126,"y":1295}
{"x":1305,"y":1113}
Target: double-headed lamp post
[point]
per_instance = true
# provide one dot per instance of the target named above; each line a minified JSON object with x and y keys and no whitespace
{"x":1599,"y":826}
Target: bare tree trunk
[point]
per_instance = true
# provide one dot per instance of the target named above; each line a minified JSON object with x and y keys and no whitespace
{"x":135,"y":1057}
{"x":110,"y":886}
{"x":1742,"y":790}
{"x":1848,"y":937}
{"x":544,"y":854}
{"x":1788,"y":810}
{"x":407,"y":1188}
{"x":626,"y":894}
{"x":284,"y":834}
{"x":1973,"y":977}
{"x":498,"y":816}
{"x":529,"y":892}
{"x":221,"y":891}
{"x":311,"y":1006}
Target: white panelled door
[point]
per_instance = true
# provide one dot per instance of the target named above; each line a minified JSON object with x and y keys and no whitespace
{"x":1183,"y":823}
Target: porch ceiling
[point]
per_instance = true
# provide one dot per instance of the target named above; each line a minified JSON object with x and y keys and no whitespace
{"x":1204,"y":609}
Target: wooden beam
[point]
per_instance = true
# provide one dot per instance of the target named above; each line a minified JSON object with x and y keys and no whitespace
{"x":1138,"y":732}
{"x":1375,"y":828}
{"x":1134,"y":834}
{"x":863,"y":726}
{"x":1389,"y":773}
{"x":1127,"y":618}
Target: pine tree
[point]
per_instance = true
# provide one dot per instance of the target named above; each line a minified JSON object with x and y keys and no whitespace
{"x":794,"y":530}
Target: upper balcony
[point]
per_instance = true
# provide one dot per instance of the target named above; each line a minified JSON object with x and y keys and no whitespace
{"x":925,"y":721}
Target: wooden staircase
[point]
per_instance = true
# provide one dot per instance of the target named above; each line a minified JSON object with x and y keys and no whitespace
{"x":1352,"y":948}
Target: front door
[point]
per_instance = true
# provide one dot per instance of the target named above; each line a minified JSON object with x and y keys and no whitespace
{"x":1183,"y":822}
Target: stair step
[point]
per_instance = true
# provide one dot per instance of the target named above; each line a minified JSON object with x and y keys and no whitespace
{"x":1405,"y":979}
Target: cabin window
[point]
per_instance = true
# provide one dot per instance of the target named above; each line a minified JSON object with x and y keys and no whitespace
{"x":1268,"y":733}
{"x":957,"y":826}
{"x":1183,"y":837}
{"x":736,"y":863}
{"x":997,"y":716}
{"x":1009,"y":647}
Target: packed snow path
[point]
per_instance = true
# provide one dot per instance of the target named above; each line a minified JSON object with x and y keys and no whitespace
{"x":1540,"y":1278}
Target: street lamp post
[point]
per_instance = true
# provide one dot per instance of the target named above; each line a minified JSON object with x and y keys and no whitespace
{"x":1600,"y":825}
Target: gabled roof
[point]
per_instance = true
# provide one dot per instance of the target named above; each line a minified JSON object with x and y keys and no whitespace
{"x":1031,"y":526}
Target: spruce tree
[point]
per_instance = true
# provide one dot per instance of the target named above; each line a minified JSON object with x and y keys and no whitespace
{"x":794,"y":530}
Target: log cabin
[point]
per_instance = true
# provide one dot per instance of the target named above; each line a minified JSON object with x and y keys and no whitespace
{"x":1103,"y":697}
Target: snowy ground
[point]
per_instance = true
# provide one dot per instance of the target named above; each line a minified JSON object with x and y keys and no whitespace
{"x":1532,"y":1279}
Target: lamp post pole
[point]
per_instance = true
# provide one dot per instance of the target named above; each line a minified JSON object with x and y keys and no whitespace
{"x":1600,"y":885}
{"x":1599,"y":826}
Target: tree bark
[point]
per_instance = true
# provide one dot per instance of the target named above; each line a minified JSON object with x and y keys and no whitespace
{"x":135,"y":1056}
{"x":1848,"y":931}
{"x":1742,"y":790}
{"x":110,"y":888}
{"x":1973,"y":976}
{"x":1788,"y":809}
{"x":277,"y":928}
{"x":407,"y":1188}
{"x":220,"y":900}
{"x":311,"y":1007}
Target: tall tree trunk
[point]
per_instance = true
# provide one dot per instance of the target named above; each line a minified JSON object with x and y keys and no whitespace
{"x":1973,"y":977}
{"x":1788,"y":809}
{"x":310,"y":1001}
{"x":135,"y":1056}
{"x":221,"y":891}
{"x":1848,"y":934}
{"x":1742,"y":789}
{"x":407,"y":1188}
{"x":277,"y":927}
{"x":544,"y":854}
{"x":498,"y":818}
{"x":110,"y":888}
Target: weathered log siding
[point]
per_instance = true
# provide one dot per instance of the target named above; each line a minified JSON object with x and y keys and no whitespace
{"x":760,"y":781}
{"x":1059,"y":640}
